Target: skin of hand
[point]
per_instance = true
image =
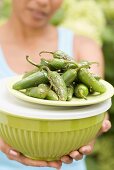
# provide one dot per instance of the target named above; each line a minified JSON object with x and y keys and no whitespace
{"x":35,"y":14}
{"x":86,"y":150}
{"x":17,"y":156}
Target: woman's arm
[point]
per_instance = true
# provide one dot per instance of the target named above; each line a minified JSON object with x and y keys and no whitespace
{"x":87,"y":49}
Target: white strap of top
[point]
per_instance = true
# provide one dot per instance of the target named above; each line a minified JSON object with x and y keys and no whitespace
{"x":66,"y":41}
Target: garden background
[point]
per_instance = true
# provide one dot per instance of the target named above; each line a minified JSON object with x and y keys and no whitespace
{"x":95,"y":19}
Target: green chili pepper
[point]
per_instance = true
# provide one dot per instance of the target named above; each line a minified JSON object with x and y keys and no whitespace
{"x":51,"y":95}
{"x":70,"y":91}
{"x":55,"y":80}
{"x":71,"y":65}
{"x":44,"y":62}
{"x":87,"y":78}
{"x":69,"y":76}
{"x":57,"y":64}
{"x":57,"y":83}
{"x":86,"y":64}
{"x":81,"y":91}
{"x":61,"y":64}
{"x":54,"y":64}
{"x":57,"y":54}
{"x":32,"y":80}
{"x":96,"y":77}
{"x":91,"y":91}
{"x":38,"y":92}
{"x":30,"y":72}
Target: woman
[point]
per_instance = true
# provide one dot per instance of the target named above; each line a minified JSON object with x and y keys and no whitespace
{"x":28,"y":32}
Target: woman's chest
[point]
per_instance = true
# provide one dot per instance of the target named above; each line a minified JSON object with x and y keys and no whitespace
{"x":15,"y":56}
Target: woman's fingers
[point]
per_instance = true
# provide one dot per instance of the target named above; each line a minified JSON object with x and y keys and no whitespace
{"x":29,"y":162}
{"x":13,"y":155}
{"x":86,"y":150}
{"x":67,"y":159}
{"x":73,"y":155}
{"x":76,"y":155}
{"x":55,"y":164}
{"x":5,"y":148}
{"x":106,"y":125}
{"x":17,"y":156}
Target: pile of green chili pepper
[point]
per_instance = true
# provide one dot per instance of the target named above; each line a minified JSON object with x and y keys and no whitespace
{"x":59,"y":78}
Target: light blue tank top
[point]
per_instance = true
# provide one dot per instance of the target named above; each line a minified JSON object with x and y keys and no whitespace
{"x":65,"y":43}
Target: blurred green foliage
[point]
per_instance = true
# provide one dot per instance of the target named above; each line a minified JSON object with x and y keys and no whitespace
{"x":5,"y":10}
{"x":95,"y":19}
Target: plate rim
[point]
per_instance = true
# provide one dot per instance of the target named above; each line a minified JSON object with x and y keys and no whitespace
{"x":104,"y":96}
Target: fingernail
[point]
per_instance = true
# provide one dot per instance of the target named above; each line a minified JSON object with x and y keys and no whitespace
{"x":84,"y":150}
{"x":13,"y":153}
{"x":74,"y":154}
{"x":106,"y":125}
{"x":87,"y":149}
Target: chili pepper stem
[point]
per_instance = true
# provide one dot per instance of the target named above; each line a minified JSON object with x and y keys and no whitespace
{"x":50,"y":52}
{"x":81,"y":94}
{"x":45,"y":68}
{"x":31,"y":62}
{"x":88,"y":64}
{"x":93,"y":62}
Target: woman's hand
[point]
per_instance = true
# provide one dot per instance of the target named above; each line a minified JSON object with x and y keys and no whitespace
{"x":14,"y":155}
{"x":86,"y":150}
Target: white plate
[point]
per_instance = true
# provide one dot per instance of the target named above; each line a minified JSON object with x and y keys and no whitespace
{"x":91,"y":99}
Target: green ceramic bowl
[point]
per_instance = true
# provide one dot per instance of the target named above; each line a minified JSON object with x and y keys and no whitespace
{"x":48,"y":139}
{"x":47,"y":132}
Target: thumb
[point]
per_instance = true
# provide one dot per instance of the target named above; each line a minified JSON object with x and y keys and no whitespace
{"x":5,"y":148}
{"x":106,"y":125}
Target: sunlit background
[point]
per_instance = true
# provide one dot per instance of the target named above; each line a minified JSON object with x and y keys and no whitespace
{"x":95,"y":19}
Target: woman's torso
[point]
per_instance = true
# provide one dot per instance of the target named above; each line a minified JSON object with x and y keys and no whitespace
{"x":65,"y":43}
